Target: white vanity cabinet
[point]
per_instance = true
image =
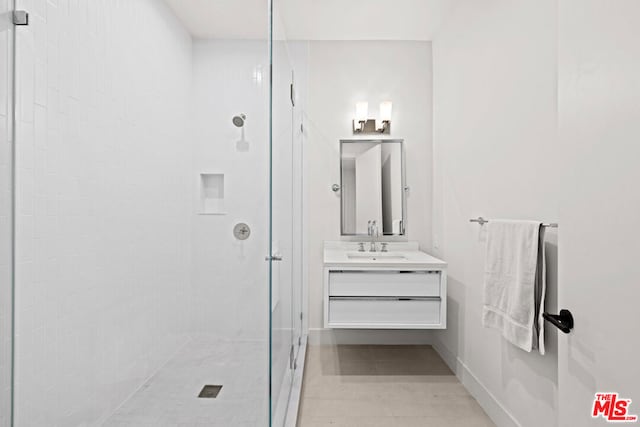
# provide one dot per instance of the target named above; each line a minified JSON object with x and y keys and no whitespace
{"x":400,"y":289}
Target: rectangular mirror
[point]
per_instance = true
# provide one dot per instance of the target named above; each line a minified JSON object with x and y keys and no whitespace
{"x":372,"y":186}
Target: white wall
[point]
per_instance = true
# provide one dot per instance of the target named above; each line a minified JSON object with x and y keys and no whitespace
{"x":230,"y":277}
{"x":341,"y":74}
{"x":103,"y":199}
{"x":494,"y":147}
{"x":5,"y":214}
{"x":599,"y":124}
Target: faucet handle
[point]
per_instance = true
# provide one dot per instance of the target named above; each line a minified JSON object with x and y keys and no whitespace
{"x":384,"y":247}
{"x":361,"y":247}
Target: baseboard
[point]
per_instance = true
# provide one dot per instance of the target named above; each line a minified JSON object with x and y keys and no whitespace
{"x":494,"y":409}
{"x":323,"y":336}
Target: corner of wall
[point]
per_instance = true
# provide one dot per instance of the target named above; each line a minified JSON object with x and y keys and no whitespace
{"x":491,"y":405}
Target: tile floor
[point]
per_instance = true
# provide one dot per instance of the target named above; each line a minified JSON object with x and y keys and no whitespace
{"x":170,"y":398}
{"x":390,"y":386}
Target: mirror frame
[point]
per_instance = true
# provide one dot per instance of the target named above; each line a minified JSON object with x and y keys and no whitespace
{"x":403,"y":178}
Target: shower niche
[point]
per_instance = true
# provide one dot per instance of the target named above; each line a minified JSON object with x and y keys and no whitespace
{"x":211,"y":194}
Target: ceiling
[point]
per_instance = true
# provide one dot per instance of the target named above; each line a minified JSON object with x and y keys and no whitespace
{"x":313,"y":19}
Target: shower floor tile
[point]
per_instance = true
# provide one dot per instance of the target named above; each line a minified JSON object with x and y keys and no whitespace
{"x":170,"y":397}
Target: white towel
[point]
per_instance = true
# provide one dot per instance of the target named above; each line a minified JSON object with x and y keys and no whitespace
{"x":514,"y":282}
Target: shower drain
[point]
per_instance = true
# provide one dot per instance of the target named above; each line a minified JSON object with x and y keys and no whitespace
{"x":210,"y":391}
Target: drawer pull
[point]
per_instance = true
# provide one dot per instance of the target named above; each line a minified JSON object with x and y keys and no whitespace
{"x":387,"y":271}
{"x":384,"y":298}
{"x":417,"y":272}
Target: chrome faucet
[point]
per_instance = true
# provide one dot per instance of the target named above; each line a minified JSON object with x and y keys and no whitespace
{"x":374,"y":233}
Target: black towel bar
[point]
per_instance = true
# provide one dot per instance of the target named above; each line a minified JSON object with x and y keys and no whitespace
{"x":562,"y":321}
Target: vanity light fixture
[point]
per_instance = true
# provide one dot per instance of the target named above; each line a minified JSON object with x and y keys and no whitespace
{"x":385,"y":116}
{"x":363,"y":124}
{"x":362,"y":111}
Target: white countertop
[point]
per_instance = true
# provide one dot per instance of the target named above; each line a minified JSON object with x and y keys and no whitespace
{"x":399,"y":254}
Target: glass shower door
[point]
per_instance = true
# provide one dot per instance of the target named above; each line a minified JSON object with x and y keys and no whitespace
{"x":285,"y":225}
{"x":135,"y":302}
{"x":281,"y":222}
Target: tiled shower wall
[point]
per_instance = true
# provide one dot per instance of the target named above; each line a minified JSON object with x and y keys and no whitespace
{"x":229,"y":276}
{"x":5,"y":215}
{"x":104,"y":203}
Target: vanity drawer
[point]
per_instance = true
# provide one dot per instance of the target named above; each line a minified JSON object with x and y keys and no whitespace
{"x":384,"y":283}
{"x":384,"y":311}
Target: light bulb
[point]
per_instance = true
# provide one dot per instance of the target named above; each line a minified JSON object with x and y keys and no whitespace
{"x":362,"y":111}
{"x":385,"y":111}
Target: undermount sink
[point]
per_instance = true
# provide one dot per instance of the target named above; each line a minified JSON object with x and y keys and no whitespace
{"x":376,"y":256}
{"x":398,"y":254}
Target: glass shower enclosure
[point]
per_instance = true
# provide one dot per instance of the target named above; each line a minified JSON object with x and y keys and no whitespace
{"x":150,"y":214}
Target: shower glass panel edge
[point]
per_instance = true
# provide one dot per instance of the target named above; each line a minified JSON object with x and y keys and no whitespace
{"x":270,"y":213}
{"x":7,"y":214}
